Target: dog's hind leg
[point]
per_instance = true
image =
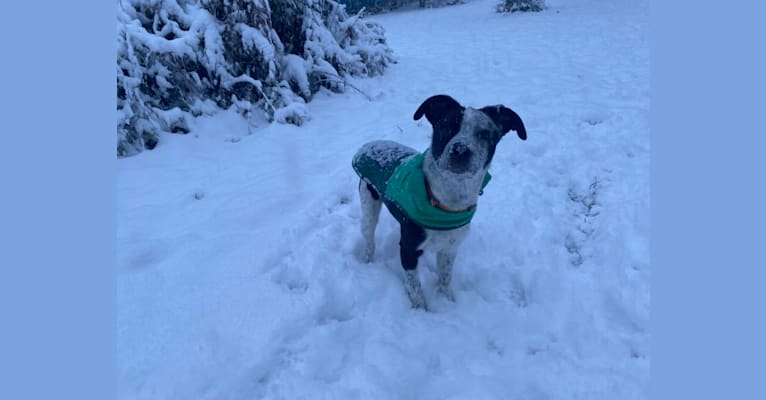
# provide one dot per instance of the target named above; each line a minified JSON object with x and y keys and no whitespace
{"x":371,"y":202}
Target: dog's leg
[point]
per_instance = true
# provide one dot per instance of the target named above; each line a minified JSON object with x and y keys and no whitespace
{"x":413,"y":288}
{"x":411,"y":239}
{"x":444,"y":262}
{"x":371,"y":202}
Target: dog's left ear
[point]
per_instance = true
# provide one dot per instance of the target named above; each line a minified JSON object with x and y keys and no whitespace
{"x":506,"y":119}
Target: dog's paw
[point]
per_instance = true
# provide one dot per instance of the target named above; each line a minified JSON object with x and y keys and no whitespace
{"x":368,"y":254}
{"x":447,"y":292}
{"x":418,"y":302}
{"x":363,"y":253}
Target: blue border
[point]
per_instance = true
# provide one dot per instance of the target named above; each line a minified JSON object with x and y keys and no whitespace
{"x":58,"y":203}
{"x":708,"y":99}
{"x":57,"y":158}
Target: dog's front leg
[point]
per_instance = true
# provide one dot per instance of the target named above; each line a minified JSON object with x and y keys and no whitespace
{"x":413,"y":288}
{"x":445,"y":259}
{"x":411,"y":239}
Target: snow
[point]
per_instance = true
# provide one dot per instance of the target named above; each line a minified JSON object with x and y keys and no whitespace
{"x":295,"y":71}
{"x":239,"y":271}
{"x":251,"y":37}
{"x":384,"y":152}
{"x":295,"y":113}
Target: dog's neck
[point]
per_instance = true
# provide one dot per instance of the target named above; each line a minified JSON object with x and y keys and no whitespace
{"x":455,"y":191}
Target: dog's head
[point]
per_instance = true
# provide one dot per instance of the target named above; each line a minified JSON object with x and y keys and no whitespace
{"x":464,"y":138}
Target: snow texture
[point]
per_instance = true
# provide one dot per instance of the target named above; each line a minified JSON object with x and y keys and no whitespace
{"x":240,"y":256}
{"x":384,"y":152}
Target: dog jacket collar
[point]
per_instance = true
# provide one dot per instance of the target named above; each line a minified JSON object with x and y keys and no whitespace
{"x":407,"y":188}
{"x":436,"y":203}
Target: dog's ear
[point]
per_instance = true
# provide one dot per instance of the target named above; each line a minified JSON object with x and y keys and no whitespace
{"x":437,"y":107}
{"x":506,"y":119}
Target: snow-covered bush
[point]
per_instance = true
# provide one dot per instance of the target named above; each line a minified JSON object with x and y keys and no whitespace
{"x":377,"y":6}
{"x":521,"y":5}
{"x":177,"y":58}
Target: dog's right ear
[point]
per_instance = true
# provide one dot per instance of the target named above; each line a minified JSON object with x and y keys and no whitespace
{"x":437,"y":107}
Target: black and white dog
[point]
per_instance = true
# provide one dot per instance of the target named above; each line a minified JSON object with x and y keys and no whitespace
{"x":452,"y":174}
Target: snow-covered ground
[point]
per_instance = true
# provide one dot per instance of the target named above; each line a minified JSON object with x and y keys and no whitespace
{"x":239,"y":255}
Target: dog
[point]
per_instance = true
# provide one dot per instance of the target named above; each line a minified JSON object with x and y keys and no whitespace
{"x":432,"y":194}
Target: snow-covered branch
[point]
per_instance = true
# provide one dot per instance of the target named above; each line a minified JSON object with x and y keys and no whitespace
{"x":272,"y":55}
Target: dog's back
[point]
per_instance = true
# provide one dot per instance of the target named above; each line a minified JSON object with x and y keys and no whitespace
{"x":376,"y":161}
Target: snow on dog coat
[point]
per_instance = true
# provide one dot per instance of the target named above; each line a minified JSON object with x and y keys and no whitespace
{"x":396,"y":172}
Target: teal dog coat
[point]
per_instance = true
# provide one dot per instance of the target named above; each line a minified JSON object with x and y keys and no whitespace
{"x":395,"y":171}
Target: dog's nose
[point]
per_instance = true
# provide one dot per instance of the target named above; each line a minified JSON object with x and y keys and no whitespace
{"x":460,"y":150}
{"x":459,"y":158}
